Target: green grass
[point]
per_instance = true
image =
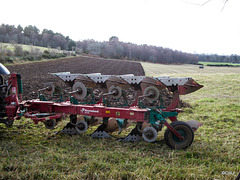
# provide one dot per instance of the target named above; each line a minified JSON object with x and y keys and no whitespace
{"x":29,"y":151}
{"x":35,"y":61}
{"x":218,"y":63}
{"x":30,"y":54}
{"x":9,"y":46}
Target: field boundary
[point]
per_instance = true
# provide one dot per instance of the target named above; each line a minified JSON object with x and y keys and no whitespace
{"x":218,"y":64}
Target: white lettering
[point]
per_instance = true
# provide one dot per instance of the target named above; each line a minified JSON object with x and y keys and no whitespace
{"x":87,"y":111}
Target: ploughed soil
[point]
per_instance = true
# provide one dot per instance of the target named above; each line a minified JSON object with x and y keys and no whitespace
{"x":34,"y":75}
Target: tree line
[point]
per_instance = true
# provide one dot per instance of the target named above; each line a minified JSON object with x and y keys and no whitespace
{"x":113,"y":48}
{"x":234,"y":58}
{"x":116,"y":49}
{"x":31,"y":35}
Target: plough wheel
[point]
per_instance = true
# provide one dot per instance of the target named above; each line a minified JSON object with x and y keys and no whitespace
{"x":81,"y":126}
{"x":8,"y":122}
{"x":149,"y":134}
{"x":182,"y":128}
{"x":50,"y":124}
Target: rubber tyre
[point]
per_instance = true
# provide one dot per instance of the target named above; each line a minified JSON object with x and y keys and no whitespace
{"x":81,"y":126}
{"x":9,"y":123}
{"x":50,"y":124}
{"x":149,"y":134}
{"x":173,"y":141}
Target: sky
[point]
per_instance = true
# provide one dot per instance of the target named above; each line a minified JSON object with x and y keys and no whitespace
{"x":194,"y":26}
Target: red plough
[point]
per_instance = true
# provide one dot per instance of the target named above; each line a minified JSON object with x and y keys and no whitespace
{"x":114,"y":101}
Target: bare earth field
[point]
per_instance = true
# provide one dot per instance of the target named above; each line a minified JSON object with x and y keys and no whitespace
{"x":30,"y":151}
{"x":35,"y":74}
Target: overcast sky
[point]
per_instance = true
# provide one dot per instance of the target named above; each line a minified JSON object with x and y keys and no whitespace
{"x":184,"y":25}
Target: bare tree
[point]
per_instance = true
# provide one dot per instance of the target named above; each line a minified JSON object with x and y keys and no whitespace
{"x":206,"y":2}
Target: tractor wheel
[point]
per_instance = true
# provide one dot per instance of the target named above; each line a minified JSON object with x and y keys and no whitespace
{"x":184,"y":130}
{"x":81,"y":126}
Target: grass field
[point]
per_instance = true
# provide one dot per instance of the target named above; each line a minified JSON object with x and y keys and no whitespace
{"x":218,"y":64}
{"x":10,"y":47}
{"x":29,"y":151}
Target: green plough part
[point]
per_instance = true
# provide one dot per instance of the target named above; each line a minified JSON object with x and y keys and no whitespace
{"x":159,"y":115}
